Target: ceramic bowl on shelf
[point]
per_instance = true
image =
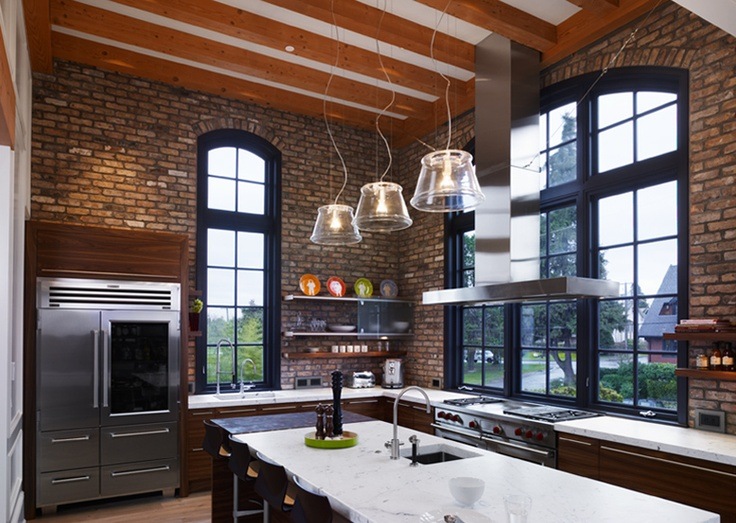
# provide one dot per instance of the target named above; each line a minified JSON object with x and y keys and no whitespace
{"x":341,"y":328}
{"x":400,"y":326}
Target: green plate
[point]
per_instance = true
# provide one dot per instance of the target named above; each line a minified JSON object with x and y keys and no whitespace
{"x":363,"y":288}
{"x":348,"y":439}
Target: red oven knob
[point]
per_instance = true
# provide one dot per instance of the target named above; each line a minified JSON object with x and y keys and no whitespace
{"x":457,"y":419}
{"x":497,"y":429}
{"x":442,"y":414}
{"x":472,"y":424}
{"x":518,"y":431}
{"x":528,"y":434}
{"x":540,"y":436}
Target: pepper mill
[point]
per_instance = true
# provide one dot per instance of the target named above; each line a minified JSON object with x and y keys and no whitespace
{"x":319,"y":432}
{"x":336,"y":391}
{"x":329,"y":426}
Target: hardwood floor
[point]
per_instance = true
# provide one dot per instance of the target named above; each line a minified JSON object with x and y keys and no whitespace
{"x":154,"y":508}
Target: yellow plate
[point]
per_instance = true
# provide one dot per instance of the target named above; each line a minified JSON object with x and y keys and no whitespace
{"x":309,"y":285}
{"x":363,"y":288}
{"x":348,"y":439}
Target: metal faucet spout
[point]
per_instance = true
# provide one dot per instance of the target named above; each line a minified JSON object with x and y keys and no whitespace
{"x":218,"y":372}
{"x":242,"y":375}
{"x":395,"y":443}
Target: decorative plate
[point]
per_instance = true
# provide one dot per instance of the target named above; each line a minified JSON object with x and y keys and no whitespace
{"x":336,"y":286}
{"x":389,"y":289}
{"x":363,"y":288}
{"x":309,"y":284}
{"x":348,"y":439}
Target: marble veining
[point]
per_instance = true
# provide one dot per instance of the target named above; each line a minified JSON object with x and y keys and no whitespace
{"x":366,"y":486}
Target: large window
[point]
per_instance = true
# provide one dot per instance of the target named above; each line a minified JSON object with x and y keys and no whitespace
{"x":613,"y":206}
{"x":238,"y":260}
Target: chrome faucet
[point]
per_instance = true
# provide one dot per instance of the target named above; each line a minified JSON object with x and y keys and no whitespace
{"x":394,"y":443}
{"x":218,"y":372}
{"x":242,"y":376}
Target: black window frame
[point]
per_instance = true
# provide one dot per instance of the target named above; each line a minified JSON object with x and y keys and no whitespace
{"x":584,"y":191}
{"x":269,"y":224}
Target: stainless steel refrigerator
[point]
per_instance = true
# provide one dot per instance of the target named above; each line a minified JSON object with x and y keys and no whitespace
{"x":107,"y":389}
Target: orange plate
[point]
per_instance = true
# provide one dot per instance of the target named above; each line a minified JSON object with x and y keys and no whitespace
{"x":336,"y":286}
{"x":309,"y":285}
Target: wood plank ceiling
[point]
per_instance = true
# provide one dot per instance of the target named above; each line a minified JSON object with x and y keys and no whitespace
{"x":281,"y":53}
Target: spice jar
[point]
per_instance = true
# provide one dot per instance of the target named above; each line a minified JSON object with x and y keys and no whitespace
{"x":715,"y":362}
{"x":727,"y":362}
{"x":701,"y":361}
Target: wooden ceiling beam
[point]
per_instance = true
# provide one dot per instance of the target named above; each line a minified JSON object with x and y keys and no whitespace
{"x":38,"y":33}
{"x":8,"y":109}
{"x":363,"y":19}
{"x":503,"y":19}
{"x":127,"y":62}
{"x":246,"y":26}
{"x":585,"y":27}
{"x":119,"y":28}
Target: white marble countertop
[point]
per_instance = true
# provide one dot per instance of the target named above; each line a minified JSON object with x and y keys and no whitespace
{"x":208,"y":401}
{"x":682,"y":441}
{"x":366,"y":486}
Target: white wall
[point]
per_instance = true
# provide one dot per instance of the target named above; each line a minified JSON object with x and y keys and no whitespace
{"x":14,"y":209}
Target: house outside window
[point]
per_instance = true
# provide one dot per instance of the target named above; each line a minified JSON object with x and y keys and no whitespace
{"x":613,"y":206}
{"x":238,"y":260}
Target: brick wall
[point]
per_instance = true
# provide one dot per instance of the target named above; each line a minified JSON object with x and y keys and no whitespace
{"x":118,"y":151}
{"x":674,"y":37}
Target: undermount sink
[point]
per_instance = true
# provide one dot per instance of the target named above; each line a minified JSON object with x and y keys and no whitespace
{"x":431,"y":454}
{"x":246,"y":395}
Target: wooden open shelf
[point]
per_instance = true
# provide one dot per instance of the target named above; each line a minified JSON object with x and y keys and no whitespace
{"x":325,"y":355}
{"x":700,"y":336}
{"x":706,"y":374}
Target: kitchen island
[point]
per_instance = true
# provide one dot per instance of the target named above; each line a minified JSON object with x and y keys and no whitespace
{"x":365,"y":486}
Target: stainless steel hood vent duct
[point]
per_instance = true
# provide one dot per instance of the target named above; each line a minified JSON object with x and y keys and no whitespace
{"x":507,"y":166}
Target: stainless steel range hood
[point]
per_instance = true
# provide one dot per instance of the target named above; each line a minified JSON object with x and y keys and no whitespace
{"x":507,"y":165}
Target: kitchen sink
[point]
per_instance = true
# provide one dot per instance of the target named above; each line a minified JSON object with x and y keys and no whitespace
{"x":245,"y":396}
{"x":432,"y":454}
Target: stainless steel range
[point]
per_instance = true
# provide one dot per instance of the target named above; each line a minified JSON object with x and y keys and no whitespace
{"x":515,"y":429}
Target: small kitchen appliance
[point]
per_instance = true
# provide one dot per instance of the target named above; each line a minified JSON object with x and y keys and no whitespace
{"x":393,"y":374}
{"x":360,"y":380}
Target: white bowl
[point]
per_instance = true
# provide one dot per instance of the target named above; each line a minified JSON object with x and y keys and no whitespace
{"x":466,"y":490}
{"x":341,"y":328}
{"x":401,"y":326}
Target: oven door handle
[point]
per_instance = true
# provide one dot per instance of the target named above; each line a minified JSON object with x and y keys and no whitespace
{"x":458,"y":431}
{"x":545,"y":453}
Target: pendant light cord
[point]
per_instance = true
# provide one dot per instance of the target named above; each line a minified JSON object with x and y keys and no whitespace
{"x":324,"y":102}
{"x":447,"y":87}
{"x":393,"y":95}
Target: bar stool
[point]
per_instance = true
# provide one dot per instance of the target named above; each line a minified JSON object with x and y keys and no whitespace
{"x":273,"y":486}
{"x":214,"y":442}
{"x":244,"y":468}
{"x":310,"y":507}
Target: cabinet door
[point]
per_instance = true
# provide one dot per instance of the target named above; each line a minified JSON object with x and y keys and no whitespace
{"x":578,"y":455}
{"x":199,"y":463}
{"x":698,"y":483}
{"x":371,"y":407}
{"x":68,"y":369}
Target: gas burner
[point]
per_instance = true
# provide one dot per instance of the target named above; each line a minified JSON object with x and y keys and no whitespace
{"x":551,"y":414}
{"x":471,"y":401}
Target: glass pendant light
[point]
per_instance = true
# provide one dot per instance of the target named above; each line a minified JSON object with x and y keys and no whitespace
{"x":381,"y":207}
{"x":334,"y":225}
{"x":447,"y":181}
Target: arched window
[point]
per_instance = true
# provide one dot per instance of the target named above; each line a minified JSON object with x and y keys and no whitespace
{"x":238,"y":260}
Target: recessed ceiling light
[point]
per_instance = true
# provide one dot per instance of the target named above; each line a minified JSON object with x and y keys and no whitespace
{"x":289,"y":48}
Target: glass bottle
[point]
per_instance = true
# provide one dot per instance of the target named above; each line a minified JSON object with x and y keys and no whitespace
{"x":727,"y":357}
{"x":715,"y":361}
{"x":701,"y":361}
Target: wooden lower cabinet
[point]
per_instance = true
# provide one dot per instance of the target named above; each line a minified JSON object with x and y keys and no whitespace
{"x":578,"y":455}
{"x":372,"y":407}
{"x":699,"y":483}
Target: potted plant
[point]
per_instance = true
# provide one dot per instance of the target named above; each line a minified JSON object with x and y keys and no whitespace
{"x":194,"y":311}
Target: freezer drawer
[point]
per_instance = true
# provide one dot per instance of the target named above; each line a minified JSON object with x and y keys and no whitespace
{"x":68,"y":449}
{"x":56,"y":488}
{"x":132,"y":443}
{"x":134,"y":478}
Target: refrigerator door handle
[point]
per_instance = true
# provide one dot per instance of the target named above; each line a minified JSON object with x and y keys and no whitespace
{"x":105,"y":369}
{"x":96,"y":369}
